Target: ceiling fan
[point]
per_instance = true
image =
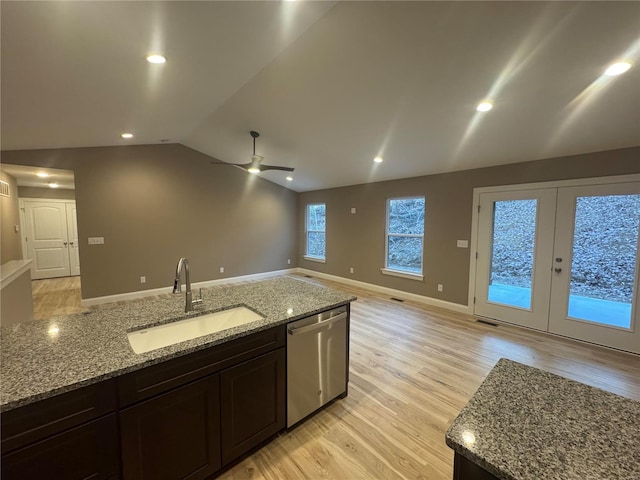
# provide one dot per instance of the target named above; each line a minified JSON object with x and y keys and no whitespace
{"x":256,"y":165}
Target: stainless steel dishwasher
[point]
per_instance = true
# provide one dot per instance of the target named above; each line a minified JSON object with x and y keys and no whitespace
{"x":316,"y":362}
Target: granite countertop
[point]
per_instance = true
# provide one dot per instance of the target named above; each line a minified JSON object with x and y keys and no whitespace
{"x":528,"y":424}
{"x":40,"y":359}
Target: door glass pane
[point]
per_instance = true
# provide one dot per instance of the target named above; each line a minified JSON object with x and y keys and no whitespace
{"x":605,"y":246}
{"x":513,"y":246}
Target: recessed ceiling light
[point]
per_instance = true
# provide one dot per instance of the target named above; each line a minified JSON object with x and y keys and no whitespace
{"x":53,"y":185}
{"x":156,"y":58}
{"x":289,"y":178}
{"x":378,"y":159}
{"x":126,"y":135}
{"x":484,"y":106}
{"x":42,"y":174}
{"x":617,"y":68}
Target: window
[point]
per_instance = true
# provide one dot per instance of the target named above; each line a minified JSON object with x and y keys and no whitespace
{"x":404,"y":237}
{"x":316,"y":226}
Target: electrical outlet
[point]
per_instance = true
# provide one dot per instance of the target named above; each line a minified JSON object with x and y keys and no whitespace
{"x":221,"y":269}
{"x":17,"y":227}
{"x":353,"y":209}
{"x":440,"y":287}
{"x":143,"y":279}
{"x":350,"y":269}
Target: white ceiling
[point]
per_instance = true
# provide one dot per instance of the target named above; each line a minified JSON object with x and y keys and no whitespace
{"x":27,"y":176}
{"x":328,"y":86}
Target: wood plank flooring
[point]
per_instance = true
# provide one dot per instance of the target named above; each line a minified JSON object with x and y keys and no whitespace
{"x":412,"y":369}
{"x":56,"y":296}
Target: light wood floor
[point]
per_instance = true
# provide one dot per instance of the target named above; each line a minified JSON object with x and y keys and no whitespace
{"x":56,"y":296}
{"x":412,"y":369}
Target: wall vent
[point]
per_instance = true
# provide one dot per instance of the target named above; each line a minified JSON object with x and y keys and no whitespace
{"x":4,"y":189}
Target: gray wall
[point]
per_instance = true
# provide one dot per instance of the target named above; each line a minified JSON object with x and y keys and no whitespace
{"x":16,"y":301}
{"x":10,"y":246}
{"x":36,"y":192}
{"x":357,"y":240}
{"x":156,"y":203}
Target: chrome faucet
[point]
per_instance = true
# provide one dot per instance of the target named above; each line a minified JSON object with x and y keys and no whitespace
{"x":183,"y":263}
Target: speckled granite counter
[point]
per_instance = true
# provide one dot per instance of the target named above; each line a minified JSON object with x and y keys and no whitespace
{"x":527,"y":424}
{"x":40,"y":359}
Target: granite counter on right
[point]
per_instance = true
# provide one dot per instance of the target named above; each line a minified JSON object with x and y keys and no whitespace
{"x":527,"y":424}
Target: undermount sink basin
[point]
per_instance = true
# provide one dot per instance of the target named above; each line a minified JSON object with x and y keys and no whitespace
{"x":148,"y":339}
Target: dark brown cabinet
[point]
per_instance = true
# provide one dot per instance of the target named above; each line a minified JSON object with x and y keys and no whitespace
{"x":71,"y":436}
{"x":252,"y":403}
{"x":185,"y":418}
{"x":464,"y":469}
{"x":89,"y":451}
{"x":173,"y":436}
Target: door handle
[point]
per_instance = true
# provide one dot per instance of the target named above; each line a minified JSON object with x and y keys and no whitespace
{"x":557,"y":270}
{"x":558,"y":259}
{"x":71,"y":243}
{"x":316,"y":326}
{"x":64,"y":243}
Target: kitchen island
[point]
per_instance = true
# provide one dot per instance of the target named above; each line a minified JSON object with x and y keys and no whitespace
{"x":186,"y":409}
{"x":528,"y":424}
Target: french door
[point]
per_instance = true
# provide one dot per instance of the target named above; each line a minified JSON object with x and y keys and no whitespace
{"x":562,"y":260}
{"x":51,"y":237}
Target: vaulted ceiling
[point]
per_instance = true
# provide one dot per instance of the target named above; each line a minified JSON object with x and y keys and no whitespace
{"x":329,"y":85}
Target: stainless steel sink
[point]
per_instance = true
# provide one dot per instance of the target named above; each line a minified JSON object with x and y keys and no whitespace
{"x":148,"y":339}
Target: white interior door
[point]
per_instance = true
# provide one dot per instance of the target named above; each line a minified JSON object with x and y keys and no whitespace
{"x":595,"y":280}
{"x":515,"y":245}
{"x":74,"y":246}
{"x":51,"y":238}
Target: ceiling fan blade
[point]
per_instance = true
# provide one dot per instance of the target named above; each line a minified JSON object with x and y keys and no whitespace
{"x":273,"y":167}
{"x":242,"y":165}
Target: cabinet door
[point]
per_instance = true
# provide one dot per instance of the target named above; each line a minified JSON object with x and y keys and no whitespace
{"x":253,"y":403}
{"x":89,"y":451}
{"x":173,"y":436}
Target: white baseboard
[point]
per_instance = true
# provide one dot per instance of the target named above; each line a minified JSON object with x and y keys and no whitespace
{"x":87,"y":302}
{"x":434,"y":302}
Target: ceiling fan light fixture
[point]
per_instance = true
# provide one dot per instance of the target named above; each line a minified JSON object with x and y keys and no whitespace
{"x":253,"y":170}
{"x":289,"y":178}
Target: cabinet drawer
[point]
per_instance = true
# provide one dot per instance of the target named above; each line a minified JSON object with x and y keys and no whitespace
{"x":34,"y":422}
{"x":160,"y":378}
{"x":89,"y":451}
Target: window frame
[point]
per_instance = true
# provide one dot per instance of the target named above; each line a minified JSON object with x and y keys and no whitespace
{"x":306,"y":255}
{"x":394,"y":271}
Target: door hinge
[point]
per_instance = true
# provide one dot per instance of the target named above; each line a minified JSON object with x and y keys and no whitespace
{"x":474,"y":299}
{"x":476,"y":255}
{"x":478,"y":208}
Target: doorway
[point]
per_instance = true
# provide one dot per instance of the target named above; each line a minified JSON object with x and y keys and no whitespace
{"x":561,"y":259}
{"x":51,"y":237}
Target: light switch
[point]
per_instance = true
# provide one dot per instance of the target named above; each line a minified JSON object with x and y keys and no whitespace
{"x":463,"y":243}
{"x":17,"y":227}
{"x":96,"y":240}
{"x":353,"y":209}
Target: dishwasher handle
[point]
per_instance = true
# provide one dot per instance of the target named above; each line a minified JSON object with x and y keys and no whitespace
{"x":316,"y":326}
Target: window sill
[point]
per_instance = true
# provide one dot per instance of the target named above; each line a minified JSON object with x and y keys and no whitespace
{"x":397,"y":273}
{"x":314,"y":259}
